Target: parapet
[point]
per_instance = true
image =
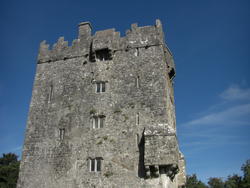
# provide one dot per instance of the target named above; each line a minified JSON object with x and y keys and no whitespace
{"x":136,"y":37}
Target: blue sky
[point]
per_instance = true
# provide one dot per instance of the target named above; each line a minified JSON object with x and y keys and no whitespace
{"x":210,"y":41}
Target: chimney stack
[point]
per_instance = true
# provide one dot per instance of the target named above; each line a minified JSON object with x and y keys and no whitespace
{"x":84,"y":29}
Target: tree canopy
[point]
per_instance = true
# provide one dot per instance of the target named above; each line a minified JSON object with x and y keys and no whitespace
{"x":9,"y":168}
{"x":232,"y":181}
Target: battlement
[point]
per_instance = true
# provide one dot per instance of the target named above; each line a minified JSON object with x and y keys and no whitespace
{"x":136,"y":37}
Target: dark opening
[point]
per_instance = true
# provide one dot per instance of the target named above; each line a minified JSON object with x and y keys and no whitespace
{"x":137,"y":119}
{"x":92,"y":169}
{"x":103,"y":87}
{"x":91,"y":54}
{"x":98,"y":87}
{"x":137,"y":52}
{"x":103,"y":54}
{"x":102,"y":119}
{"x":95,"y":122}
{"x":61,"y":133}
{"x":171,"y":73}
{"x":163,"y":169}
{"x":98,"y":165}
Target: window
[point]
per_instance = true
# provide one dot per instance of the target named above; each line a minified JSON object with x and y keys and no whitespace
{"x":61,"y":133}
{"x":171,"y":73}
{"x":136,"y":52}
{"x":100,"y":87}
{"x":103,"y":54}
{"x":50,"y":92}
{"x":137,"y":82}
{"x":95,"y":164}
{"x":137,"y":119}
{"x":98,"y":122}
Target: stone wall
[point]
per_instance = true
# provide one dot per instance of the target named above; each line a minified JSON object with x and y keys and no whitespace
{"x":129,"y":126}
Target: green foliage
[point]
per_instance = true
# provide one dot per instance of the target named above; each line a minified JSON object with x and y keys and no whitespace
{"x":215,"y":183}
{"x":193,"y":182}
{"x":234,"y":181}
{"x":9,"y":168}
{"x":246,"y":174}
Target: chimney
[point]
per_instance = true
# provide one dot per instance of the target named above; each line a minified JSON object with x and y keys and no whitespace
{"x":84,"y":29}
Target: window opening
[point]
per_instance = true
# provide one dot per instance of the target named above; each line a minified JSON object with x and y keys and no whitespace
{"x":136,"y":52}
{"x":100,"y":87}
{"x":98,"y":122}
{"x":103,"y":54}
{"x":95,"y":164}
{"x":61,"y":133}
{"x":171,"y":73}
{"x":103,"y":87}
{"x":50,"y":92}
{"x":137,"y":82}
{"x":98,"y":165}
{"x":101,"y":121}
{"x":92,"y":165}
{"x":137,"y":119}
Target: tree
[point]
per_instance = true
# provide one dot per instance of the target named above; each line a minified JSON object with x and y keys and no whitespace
{"x":234,"y":181}
{"x":246,"y":174}
{"x":9,"y":168}
{"x":215,"y":183}
{"x":193,"y":182}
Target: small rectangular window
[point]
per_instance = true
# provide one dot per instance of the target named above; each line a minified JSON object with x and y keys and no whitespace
{"x":98,"y":161}
{"x":103,"y":86}
{"x":102,"y":121}
{"x":50,"y":92}
{"x":92,"y":162}
{"x":100,"y":87}
{"x":137,"y":119}
{"x":95,"y":164}
{"x":95,"y":122}
{"x":98,"y":122}
{"x":136,"y":52}
{"x":137,"y":82}
{"x":61,"y":133}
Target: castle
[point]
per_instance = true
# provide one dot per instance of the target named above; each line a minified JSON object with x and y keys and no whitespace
{"x":102,"y":113}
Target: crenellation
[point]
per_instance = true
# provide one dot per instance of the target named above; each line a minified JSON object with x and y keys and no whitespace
{"x":136,"y":37}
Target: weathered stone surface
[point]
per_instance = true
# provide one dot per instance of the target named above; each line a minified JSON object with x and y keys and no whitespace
{"x":129,"y":126}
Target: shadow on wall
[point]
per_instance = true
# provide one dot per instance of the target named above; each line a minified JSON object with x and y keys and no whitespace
{"x":141,"y":168}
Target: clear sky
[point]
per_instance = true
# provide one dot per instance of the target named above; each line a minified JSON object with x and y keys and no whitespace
{"x":210,"y":40}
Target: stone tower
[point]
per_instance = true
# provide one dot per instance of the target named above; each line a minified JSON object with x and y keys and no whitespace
{"x":102,"y":113}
